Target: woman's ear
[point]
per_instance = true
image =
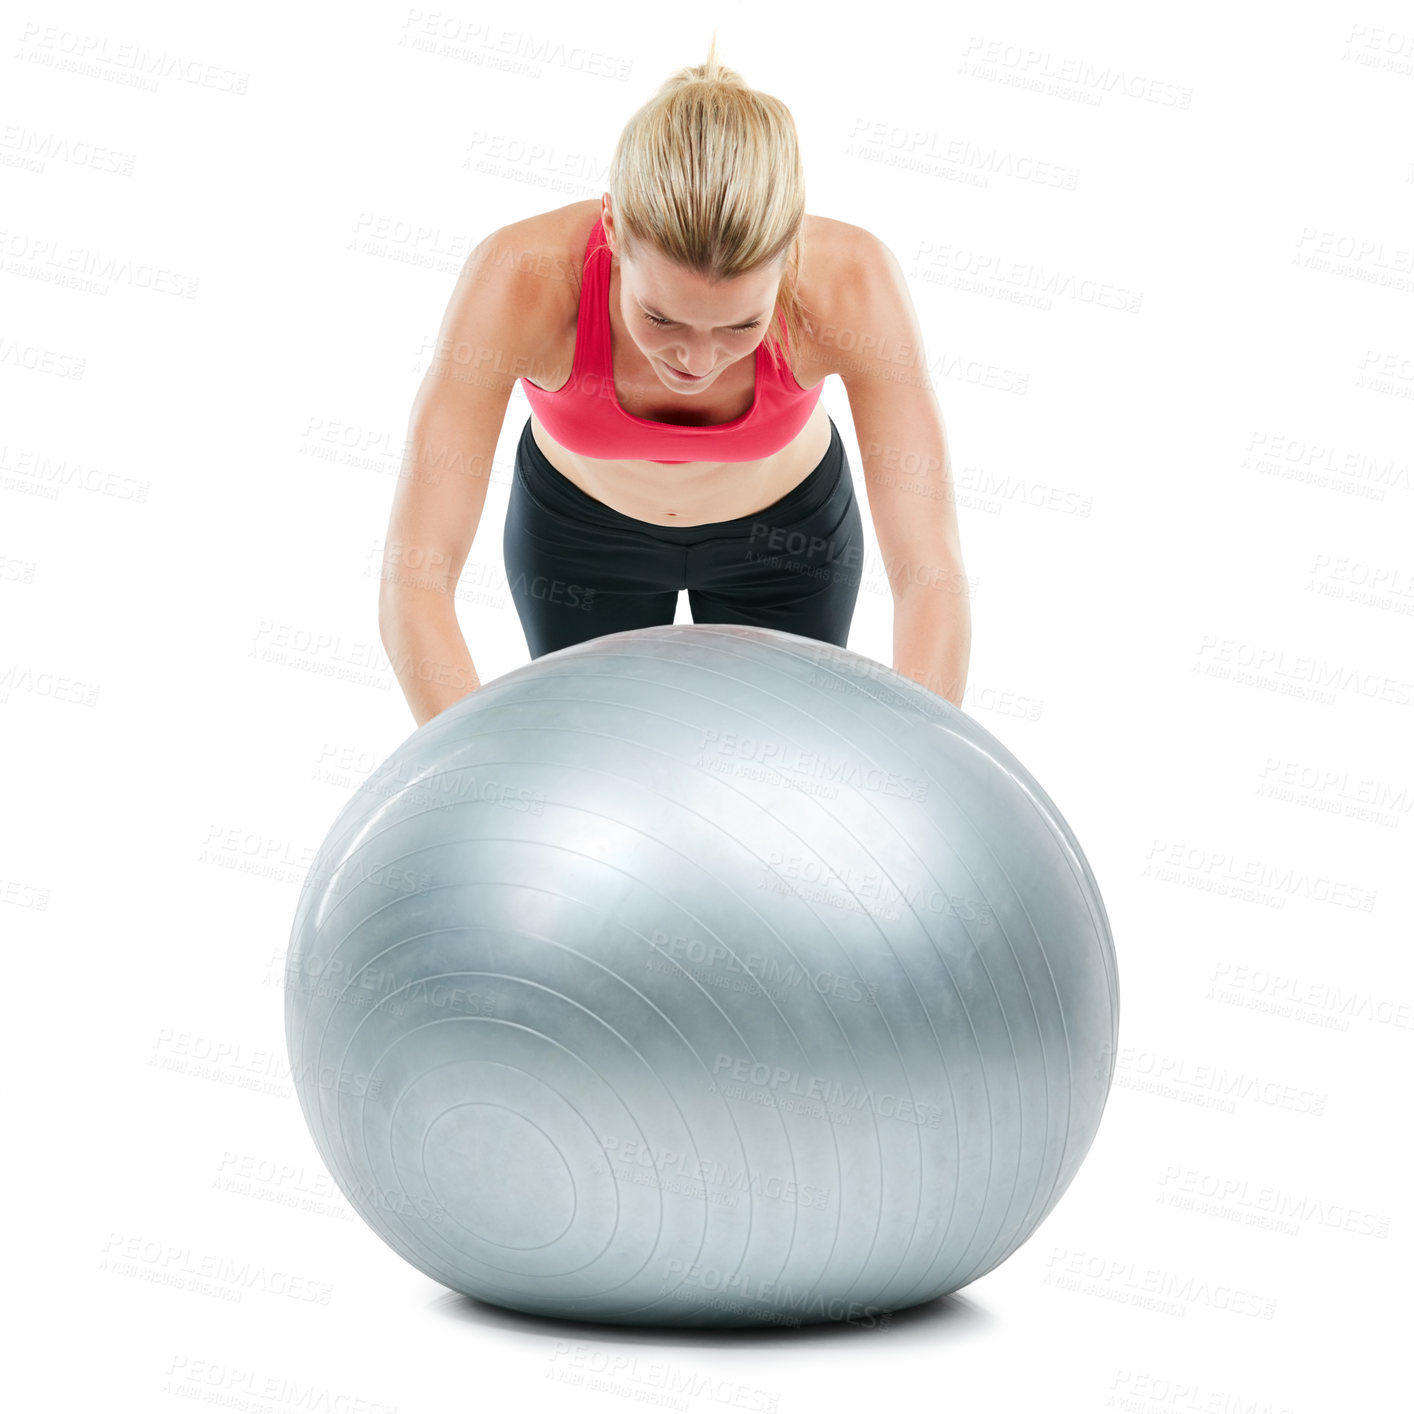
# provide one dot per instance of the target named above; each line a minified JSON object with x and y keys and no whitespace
{"x":606,"y":215}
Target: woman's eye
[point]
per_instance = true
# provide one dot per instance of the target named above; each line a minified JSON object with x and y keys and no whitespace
{"x":737,"y":329}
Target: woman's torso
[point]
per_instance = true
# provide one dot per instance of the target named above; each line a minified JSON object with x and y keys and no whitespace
{"x":694,"y":492}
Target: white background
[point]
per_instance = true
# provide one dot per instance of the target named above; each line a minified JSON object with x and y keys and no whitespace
{"x":1163,"y":265}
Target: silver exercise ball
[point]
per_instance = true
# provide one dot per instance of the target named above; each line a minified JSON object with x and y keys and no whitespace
{"x":702,"y":975}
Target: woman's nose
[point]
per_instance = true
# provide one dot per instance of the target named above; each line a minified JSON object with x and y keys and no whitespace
{"x":695,"y":359}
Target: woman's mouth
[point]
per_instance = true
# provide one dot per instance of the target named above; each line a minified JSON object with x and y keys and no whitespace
{"x":686,"y":377}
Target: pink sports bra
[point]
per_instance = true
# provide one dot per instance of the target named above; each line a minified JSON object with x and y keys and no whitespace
{"x":587,"y":417}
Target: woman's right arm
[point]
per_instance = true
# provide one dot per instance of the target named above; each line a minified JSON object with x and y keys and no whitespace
{"x":492,"y":333}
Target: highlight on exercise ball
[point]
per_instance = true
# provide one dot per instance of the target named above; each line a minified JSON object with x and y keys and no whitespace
{"x":702,"y":975}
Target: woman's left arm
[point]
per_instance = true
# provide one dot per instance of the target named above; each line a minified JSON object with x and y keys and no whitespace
{"x":878,"y":353}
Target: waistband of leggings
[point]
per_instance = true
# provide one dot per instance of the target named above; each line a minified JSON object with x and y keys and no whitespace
{"x":548,"y":484}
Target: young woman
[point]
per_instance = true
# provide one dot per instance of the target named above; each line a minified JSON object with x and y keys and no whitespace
{"x":672,"y":339}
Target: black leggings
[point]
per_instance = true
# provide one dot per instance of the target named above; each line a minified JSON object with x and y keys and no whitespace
{"x":579,"y":569}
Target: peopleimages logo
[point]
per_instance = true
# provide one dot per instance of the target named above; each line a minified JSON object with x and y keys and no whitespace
{"x":630,"y":1156}
{"x":782,"y":756}
{"x":1264,"y":1205}
{"x":773,"y":972}
{"x":735,"y":1291}
{"x":740,"y":1077}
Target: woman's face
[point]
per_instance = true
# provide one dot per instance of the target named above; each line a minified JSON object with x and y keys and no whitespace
{"x":684,"y":325}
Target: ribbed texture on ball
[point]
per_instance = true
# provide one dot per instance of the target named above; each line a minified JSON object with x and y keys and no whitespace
{"x":702,"y":975}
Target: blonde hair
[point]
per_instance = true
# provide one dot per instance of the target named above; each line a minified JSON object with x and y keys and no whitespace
{"x":708,"y":172}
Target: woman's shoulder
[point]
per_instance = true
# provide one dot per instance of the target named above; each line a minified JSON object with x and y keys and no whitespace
{"x":545,"y":251}
{"x":536,"y":265}
{"x":837,"y":264}
{"x":827,"y":238}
